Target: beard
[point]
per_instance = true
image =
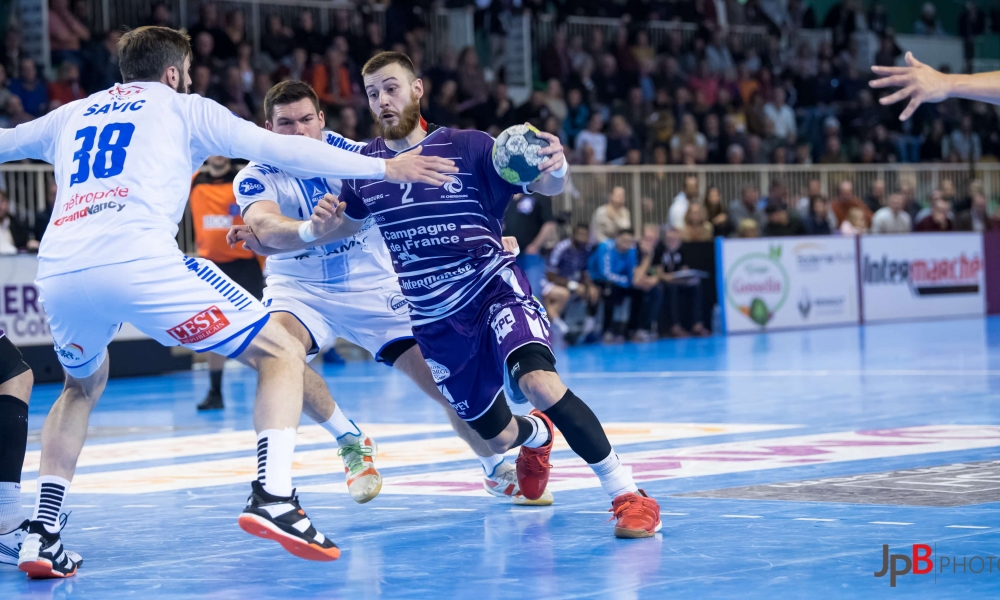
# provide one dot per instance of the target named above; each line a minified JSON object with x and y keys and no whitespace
{"x":408,"y":121}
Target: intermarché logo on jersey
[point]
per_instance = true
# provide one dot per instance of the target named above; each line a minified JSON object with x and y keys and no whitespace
{"x":204,"y":324}
{"x":921,"y":561}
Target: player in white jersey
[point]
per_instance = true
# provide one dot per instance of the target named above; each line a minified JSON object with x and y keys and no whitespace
{"x":345,"y":289}
{"x":123,"y":161}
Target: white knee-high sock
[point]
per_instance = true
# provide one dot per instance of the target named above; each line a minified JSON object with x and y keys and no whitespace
{"x":48,"y":503}
{"x":342,"y":428}
{"x":275,"y":448}
{"x":616,"y":478}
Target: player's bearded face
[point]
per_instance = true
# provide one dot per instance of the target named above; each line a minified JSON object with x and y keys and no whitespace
{"x":405,"y":121}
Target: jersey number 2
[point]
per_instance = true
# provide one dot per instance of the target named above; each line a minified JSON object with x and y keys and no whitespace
{"x":406,"y":187}
{"x":110,"y":159}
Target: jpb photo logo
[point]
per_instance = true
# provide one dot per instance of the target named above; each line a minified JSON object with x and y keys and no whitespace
{"x":924,"y":560}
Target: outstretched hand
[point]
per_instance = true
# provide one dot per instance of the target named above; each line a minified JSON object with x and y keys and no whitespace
{"x":413,"y":167}
{"x":919,"y":82}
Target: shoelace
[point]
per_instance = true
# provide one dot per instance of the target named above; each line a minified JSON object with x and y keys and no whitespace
{"x":640,"y":506}
{"x":535,"y":462}
{"x":355,"y":456}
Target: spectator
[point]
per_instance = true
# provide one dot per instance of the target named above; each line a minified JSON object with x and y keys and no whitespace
{"x":13,"y":233}
{"x":875,"y":199}
{"x":161,"y":16}
{"x":278,"y":40}
{"x":5,"y":94}
{"x":612,"y":217}
{"x":661,"y":121}
{"x":232,"y":96}
{"x":891,"y":218}
{"x":567,"y":278}
{"x":854,"y":224}
{"x":697,"y":227}
{"x":845,"y":201}
{"x":612,"y":266}
{"x":818,"y":220}
{"x":834,"y":154}
{"x":938,"y":219}
{"x":717,"y":56}
{"x":620,"y":140}
{"x":529,"y":220}
{"x":577,"y":115}
{"x":975,"y":218}
{"x":963,"y":144}
{"x":781,"y":115}
{"x":646,"y":281}
{"x":204,"y":52}
{"x":928,"y":23}
{"x":734,"y":154}
{"x":678,"y":282}
{"x":201,"y":82}
{"x":594,"y":138}
{"x":555,"y":61}
{"x":704,"y":81}
{"x":971,"y":23}
{"x":67,"y":87}
{"x":499,"y":111}
{"x":208,"y":20}
{"x":471,"y":80}
{"x":682,"y":201}
{"x":234,"y":32}
{"x":748,"y":228}
{"x":306,"y":35}
{"x":747,"y":208}
{"x":30,"y":88}
{"x":688,"y":134}
{"x":780,"y":222}
{"x":535,"y":110}
{"x":16,"y":115}
{"x":100,"y":63}
{"x":717,"y":215}
{"x":43,"y":216}
{"x":932,"y":149}
{"x":804,"y":203}
{"x":66,"y":33}
{"x":555,"y":101}
{"x":713,"y":140}
{"x":332,"y":81}
{"x":609,"y":82}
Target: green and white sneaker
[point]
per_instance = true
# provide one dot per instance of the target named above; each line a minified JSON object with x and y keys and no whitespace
{"x":363,"y":479}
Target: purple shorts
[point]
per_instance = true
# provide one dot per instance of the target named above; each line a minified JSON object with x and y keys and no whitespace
{"x":467,"y":352}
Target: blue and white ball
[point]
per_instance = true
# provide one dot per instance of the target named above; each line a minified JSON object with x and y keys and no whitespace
{"x":515,"y":154}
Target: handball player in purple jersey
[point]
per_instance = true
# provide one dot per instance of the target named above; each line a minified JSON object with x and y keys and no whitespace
{"x":482,"y":333}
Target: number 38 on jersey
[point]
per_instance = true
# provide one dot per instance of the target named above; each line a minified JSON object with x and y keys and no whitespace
{"x":109,"y":158}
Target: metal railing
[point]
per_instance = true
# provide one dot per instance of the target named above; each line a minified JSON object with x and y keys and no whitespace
{"x":649,"y":189}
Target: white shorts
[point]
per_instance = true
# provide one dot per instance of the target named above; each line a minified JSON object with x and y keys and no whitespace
{"x":372,"y":319}
{"x":175,"y":300}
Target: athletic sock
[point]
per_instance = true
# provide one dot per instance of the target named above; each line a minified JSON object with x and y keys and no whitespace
{"x":48,"y":504}
{"x":13,"y":440}
{"x":215,"y":377}
{"x":531,"y":432}
{"x":581,"y":428}
{"x":10,"y":506}
{"x":616,"y":479}
{"x":342,"y":428}
{"x":275,"y":448}
{"x":490,"y":463}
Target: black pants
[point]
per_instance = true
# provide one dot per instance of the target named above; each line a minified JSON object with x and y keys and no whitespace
{"x":616,"y":300}
{"x":677,"y":297}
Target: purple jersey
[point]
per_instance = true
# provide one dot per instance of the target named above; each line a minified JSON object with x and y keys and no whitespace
{"x":444,"y":241}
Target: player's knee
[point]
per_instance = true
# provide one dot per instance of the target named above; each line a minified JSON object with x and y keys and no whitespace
{"x":19,"y":386}
{"x":532,"y":368}
{"x":542,"y":387}
{"x":86,"y":389}
{"x":274,"y":342}
{"x":502,"y":442}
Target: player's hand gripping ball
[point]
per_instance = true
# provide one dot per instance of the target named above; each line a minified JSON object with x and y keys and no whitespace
{"x":515,"y":154}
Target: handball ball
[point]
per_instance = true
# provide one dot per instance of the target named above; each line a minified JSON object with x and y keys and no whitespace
{"x":515,"y":154}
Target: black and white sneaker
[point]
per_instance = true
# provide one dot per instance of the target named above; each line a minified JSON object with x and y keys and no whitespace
{"x":10,"y":543}
{"x":284,"y":521}
{"x":42,"y":555}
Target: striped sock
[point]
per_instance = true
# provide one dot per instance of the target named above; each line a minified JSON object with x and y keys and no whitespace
{"x":51,"y":494}
{"x":275,"y":448}
{"x":540,"y":434}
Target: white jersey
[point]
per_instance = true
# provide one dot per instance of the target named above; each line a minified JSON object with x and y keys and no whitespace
{"x":358,"y":263}
{"x":124,"y":158}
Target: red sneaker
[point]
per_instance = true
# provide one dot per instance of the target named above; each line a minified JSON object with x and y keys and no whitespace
{"x":638,"y":515}
{"x":533,"y":464}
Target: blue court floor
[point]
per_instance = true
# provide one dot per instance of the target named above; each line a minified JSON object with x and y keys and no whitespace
{"x":783,"y":463}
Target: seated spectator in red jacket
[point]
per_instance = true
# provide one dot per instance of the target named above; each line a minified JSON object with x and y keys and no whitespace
{"x":845,"y":201}
{"x":67,"y":87}
{"x":938,"y":220}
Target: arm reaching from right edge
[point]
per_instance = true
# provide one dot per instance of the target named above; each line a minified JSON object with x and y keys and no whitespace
{"x":921,"y":83}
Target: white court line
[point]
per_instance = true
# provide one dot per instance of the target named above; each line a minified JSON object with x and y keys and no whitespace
{"x":887,"y":523}
{"x":786,"y":373}
{"x":741,"y":516}
{"x":457,"y":509}
{"x":591,"y":512}
{"x":202,"y":506}
{"x":813,"y":519}
{"x":229,"y":517}
{"x":967,"y":527}
{"x":80,"y":506}
{"x":390,"y":508}
{"x":674,"y":514}
{"x":328,"y":507}
{"x":89,"y":528}
{"x":140,"y":506}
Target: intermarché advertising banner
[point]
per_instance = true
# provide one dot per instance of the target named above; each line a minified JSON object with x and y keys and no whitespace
{"x":784,"y":283}
{"x":922,"y":275}
{"x":21,"y":313}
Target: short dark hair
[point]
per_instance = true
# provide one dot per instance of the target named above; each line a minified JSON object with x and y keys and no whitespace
{"x":384,"y":59}
{"x":287,"y":92}
{"x":145,"y":53}
{"x":625,"y":231}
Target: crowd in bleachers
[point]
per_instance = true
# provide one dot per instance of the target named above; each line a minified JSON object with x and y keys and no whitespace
{"x":705,"y":99}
